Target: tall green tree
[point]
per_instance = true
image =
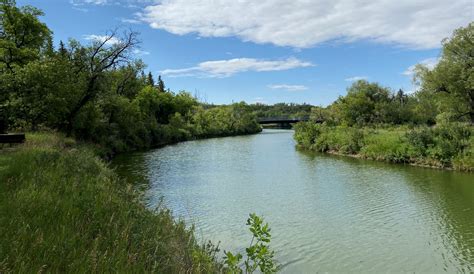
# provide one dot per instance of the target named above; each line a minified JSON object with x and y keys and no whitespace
{"x":161,"y":84}
{"x":150,"y":80}
{"x":23,"y":38}
{"x":451,"y":82}
{"x":93,"y":62}
{"x":364,"y":103}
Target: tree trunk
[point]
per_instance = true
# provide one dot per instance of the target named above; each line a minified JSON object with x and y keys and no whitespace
{"x":89,"y":96}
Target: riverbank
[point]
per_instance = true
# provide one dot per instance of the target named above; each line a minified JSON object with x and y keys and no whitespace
{"x":446,"y":146}
{"x":62,"y":209}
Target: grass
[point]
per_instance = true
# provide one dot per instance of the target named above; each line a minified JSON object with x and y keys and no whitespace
{"x":449,"y":146}
{"x":63,"y":210}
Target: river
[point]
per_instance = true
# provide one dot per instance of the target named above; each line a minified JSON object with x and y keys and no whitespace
{"x":327,"y":213}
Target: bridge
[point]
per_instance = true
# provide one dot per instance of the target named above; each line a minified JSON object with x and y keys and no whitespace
{"x":284,"y":122}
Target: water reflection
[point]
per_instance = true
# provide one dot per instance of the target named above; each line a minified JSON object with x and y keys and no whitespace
{"x":328,"y":213}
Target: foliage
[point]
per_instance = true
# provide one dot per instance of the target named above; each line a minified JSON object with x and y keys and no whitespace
{"x":451,"y":82}
{"x":290,"y":110}
{"x":98,"y":92}
{"x":259,"y":255}
{"x":445,"y":145}
{"x":445,"y":91}
{"x":63,"y":210}
{"x":22,"y":37}
{"x":364,"y":103}
{"x":323,"y":138}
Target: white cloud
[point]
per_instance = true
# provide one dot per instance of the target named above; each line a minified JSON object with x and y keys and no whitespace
{"x":225,"y":68}
{"x":288,"y":87}
{"x":79,"y":9}
{"x":130,"y":21}
{"x":90,"y":2}
{"x":356,"y":78}
{"x":430,"y":63}
{"x":101,"y":38}
{"x":305,"y":23}
{"x":140,"y":52}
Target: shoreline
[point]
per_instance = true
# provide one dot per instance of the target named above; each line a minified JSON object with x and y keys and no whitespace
{"x":361,"y":157}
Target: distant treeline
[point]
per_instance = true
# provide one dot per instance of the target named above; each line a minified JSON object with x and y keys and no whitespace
{"x":97,"y":92}
{"x":290,"y":110}
{"x":432,"y":126}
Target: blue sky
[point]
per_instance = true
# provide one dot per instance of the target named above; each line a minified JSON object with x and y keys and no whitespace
{"x":269,"y":51}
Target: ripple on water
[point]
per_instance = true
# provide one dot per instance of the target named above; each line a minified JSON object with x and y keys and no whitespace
{"x":327,"y":213}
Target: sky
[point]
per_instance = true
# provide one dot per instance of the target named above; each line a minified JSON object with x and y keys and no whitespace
{"x":269,"y":51}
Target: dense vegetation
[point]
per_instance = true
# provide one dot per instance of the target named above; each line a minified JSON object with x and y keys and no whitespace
{"x":62,"y":209}
{"x":97,"y":92}
{"x":431,"y":127}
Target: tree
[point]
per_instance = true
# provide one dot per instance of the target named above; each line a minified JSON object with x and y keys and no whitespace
{"x":322,"y":115}
{"x":22,"y":39}
{"x":22,"y":35}
{"x":451,"y":82}
{"x":94,"y":61}
{"x":62,"y":51}
{"x":364,"y":103}
{"x":150,"y":80}
{"x":161,"y":84}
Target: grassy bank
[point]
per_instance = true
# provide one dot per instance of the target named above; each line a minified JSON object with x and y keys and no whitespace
{"x":62,"y":209}
{"x":449,"y":145}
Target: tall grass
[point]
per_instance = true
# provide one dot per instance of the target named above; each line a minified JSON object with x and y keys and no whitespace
{"x":63,"y":210}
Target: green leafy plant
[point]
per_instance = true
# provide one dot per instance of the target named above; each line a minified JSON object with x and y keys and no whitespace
{"x":259,"y":254}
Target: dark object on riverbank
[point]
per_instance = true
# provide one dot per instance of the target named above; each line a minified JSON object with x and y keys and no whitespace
{"x":3,"y":124}
{"x":12,"y":138}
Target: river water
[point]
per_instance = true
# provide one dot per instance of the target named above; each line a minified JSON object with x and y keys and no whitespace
{"x":327,"y":213}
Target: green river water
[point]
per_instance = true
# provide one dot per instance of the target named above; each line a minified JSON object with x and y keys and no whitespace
{"x":327,"y":213}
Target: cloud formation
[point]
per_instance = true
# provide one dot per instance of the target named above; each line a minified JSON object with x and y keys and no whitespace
{"x":288,"y":87}
{"x":356,"y":78}
{"x":140,"y":52}
{"x":130,"y":21}
{"x":419,"y":24}
{"x":430,"y":63}
{"x":91,"y":2}
{"x":226,"y":68}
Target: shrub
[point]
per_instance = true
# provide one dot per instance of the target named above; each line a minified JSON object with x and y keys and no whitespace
{"x":259,"y":255}
{"x":306,"y":133}
{"x":387,"y":145}
{"x":421,"y":139}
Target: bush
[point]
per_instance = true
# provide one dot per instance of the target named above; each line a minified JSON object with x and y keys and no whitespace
{"x":421,"y":139}
{"x":387,"y":145}
{"x":450,"y":140}
{"x":322,"y":138}
{"x":306,"y":134}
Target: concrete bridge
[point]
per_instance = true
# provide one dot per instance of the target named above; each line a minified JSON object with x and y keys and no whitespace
{"x":283,"y":122}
